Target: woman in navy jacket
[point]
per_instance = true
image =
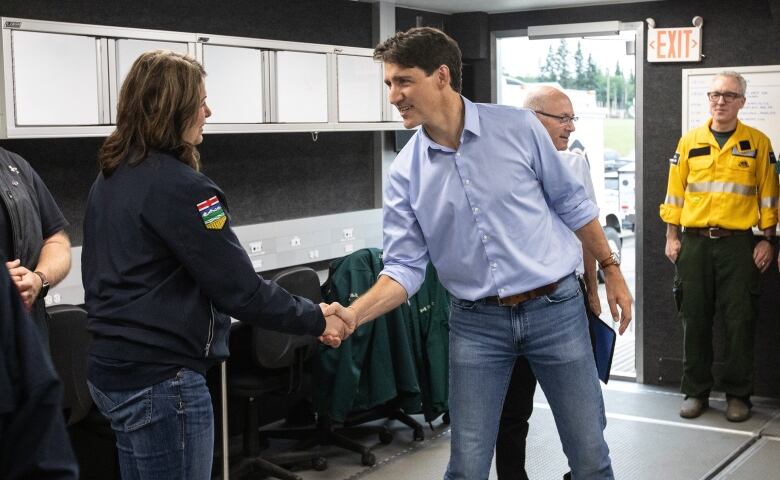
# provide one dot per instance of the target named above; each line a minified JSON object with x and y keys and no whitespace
{"x":162,"y":270}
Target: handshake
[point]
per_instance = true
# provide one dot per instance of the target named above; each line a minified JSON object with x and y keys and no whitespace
{"x":340,"y":322}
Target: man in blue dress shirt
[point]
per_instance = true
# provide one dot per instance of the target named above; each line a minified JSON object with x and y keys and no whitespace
{"x":479,"y":190}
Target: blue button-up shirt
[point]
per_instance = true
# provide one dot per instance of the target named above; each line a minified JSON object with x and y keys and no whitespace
{"x":494,"y":216}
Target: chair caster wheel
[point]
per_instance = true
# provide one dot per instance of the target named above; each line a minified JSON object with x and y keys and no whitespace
{"x":418,"y":435}
{"x":368,"y":459}
{"x":319,"y":464}
{"x":386,"y":436}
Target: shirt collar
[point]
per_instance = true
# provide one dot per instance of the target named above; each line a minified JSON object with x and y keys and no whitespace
{"x":470,"y":124}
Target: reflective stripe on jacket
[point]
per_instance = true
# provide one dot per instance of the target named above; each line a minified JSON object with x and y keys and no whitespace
{"x":732,"y":187}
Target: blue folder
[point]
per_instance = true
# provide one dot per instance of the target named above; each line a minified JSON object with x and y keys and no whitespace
{"x":603,"y":338}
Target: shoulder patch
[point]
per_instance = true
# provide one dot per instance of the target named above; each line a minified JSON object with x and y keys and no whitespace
{"x":211,"y":212}
{"x":675,"y":159}
{"x":772,"y":158}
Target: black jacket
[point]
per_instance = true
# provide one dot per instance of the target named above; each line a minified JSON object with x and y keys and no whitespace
{"x":33,"y":439}
{"x":160,"y":266}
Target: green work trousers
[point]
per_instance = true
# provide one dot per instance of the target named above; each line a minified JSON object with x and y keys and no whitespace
{"x":717,"y":276}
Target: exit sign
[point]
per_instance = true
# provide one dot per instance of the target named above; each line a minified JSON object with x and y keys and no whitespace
{"x":674,"y":44}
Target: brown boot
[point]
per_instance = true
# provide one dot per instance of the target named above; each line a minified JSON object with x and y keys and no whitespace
{"x":692,"y":407}
{"x":737,"y":410}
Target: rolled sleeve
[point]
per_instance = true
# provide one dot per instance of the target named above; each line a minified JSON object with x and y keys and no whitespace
{"x":564,"y":191}
{"x":405,"y":253}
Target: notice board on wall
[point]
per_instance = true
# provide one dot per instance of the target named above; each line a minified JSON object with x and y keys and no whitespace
{"x":762,"y":105}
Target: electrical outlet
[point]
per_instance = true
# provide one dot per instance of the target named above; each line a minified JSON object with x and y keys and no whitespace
{"x":57,"y":298}
{"x":256,"y":247}
{"x":349,"y":248}
{"x":257,"y":263}
{"x":348,"y":234}
{"x":313,"y":254}
{"x":295,"y":241}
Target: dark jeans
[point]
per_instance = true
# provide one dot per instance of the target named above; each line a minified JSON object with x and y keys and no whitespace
{"x":165,"y":431}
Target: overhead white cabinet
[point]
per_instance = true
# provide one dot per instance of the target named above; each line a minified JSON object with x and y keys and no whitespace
{"x":63,"y":80}
{"x":359,"y":89}
{"x":56,"y":79}
{"x":301,"y":87}
{"x":234,"y":84}
{"x":127,"y":52}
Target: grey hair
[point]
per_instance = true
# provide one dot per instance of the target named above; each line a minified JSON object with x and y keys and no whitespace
{"x":737,"y":76}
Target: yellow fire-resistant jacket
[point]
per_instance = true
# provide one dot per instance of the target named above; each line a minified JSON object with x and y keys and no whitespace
{"x":732,"y":187}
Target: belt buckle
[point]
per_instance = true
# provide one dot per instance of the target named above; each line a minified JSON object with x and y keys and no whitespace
{"x":710,"y":232}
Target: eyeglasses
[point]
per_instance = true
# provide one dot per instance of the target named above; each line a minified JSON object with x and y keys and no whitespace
{"x":727,"y":97}
{"x":564,"y":119}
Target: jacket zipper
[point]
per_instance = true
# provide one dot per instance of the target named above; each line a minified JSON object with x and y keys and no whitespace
{"x":210,"y":338}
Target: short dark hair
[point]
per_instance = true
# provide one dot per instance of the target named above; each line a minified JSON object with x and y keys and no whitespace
{"x":425,"y":48}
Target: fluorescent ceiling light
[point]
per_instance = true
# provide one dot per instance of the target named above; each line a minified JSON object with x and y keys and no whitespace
{"x":574,"y":30}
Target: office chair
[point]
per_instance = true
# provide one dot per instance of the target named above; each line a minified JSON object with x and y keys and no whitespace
{"x":305,"y":282}
{"x":68,"y":343}
{"x":276,"y":367}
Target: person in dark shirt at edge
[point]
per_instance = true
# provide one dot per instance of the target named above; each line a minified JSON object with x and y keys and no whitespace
{"x":34,"y":443}
{"x":32,"y":235}
{"x":162,"y":270}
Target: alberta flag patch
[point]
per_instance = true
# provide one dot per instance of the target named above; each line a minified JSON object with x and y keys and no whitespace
{"x":212,"y":213}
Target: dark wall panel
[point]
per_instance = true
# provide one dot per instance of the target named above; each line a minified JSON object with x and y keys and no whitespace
{"x":267,"y":177}
{"x":735,"y":33}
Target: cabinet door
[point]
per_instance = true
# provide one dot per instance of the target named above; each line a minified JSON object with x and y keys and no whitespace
{"x":301,"y":87}
{"x":127,"y":52}
{"x":56,"y":79}
{"x":234,"y":84}
{"x":359,"y":89}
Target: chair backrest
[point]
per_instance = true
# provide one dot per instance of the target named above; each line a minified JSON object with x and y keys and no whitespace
{"x":275,"y":349}
{"x":68,"y":343}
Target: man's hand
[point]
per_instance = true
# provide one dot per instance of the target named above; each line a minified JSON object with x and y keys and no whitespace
{"x":340,"y":322}
{"x":618,"y":296}
{"x":762,"y":255}
{"x":28,"y":283}
{"x":672,"y":249}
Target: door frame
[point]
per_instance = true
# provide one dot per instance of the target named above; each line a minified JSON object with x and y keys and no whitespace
{"x":580,"y":30}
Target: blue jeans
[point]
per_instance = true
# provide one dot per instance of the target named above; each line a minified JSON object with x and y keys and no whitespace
{"x":165,"y":431}
{"x":552,"y":333}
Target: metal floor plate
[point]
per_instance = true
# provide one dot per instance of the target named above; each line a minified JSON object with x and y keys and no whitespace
{"x":647,"y":440}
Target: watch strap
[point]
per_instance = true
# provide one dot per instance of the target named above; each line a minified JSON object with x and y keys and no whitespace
{"x":610,"y":260}
{"x":44,"y":284}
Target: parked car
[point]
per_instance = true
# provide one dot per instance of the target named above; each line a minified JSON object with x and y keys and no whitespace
{"x":613,"y":161}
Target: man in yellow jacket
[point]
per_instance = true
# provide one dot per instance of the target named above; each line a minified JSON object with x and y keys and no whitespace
{"x":722,"y":182}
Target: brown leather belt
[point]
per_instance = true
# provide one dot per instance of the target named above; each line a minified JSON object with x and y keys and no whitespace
{"x":519,"y":298}
{"x":715,"y":232}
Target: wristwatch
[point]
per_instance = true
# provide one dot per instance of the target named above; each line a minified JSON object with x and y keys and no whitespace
{"x":44,"y":285}
{"x":612,"y":259}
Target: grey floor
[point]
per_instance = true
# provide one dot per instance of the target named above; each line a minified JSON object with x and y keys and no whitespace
{"x":647,"y":439}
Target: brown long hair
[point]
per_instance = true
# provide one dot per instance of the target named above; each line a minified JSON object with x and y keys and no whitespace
{"x":159,"y":99}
